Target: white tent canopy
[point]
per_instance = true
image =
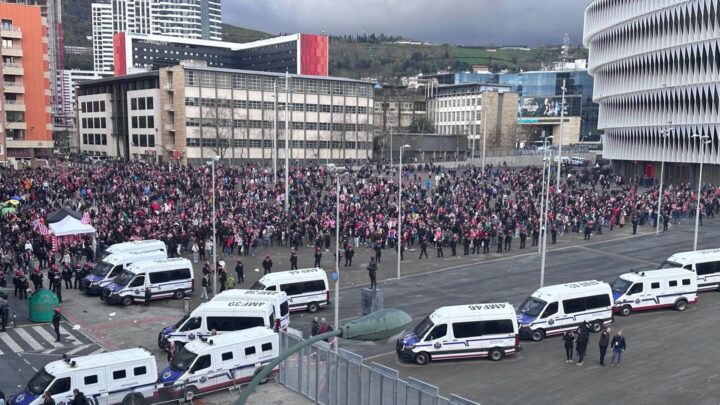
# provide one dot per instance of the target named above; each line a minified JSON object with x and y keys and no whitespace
{"x":70,"y":226}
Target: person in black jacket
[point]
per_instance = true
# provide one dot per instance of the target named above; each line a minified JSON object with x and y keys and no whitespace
{"x":293,"y":259}
{"x":568,"y":340}
{"x":23,"y":287}
{"x":618,"y":345}
{"x":67,"y":277}
{"x":240,"y":270}
{"x":47,"y":399}
{"x":56,"y":323}
{"x":267,"y":264}
{"x":318,"y":256}
{"x":603,"y":344}
{"x":79,"y":398}
{"x":581,"y":342}
{"x":349,"y":253}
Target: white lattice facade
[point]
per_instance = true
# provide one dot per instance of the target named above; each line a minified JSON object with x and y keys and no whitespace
{"x":656,"y":64}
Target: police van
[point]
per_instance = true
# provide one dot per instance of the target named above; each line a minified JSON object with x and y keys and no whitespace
{"x":665,"y":288}
{"x":705,"y":264}
{"x":462,"y":331}
{"x":133,"y":246}
{"x":110,"y":267}
{"x":555,"y":309}
{"x":278,"y":299}
{"x":218,"y":362}
{"x":165,"y":278}
{"x":307,"y":289}
{"x":221,"y":316}
{"x":124,"y":376}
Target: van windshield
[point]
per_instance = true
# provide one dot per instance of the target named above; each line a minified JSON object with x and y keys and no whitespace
{"x":180,"y":322}
{"x":39,"y":383}
{"x":258,"y":286}
{"x":620,"y":285}
{"x":423,"y":327}
{"x":532,"y":306}
{"x":183,"y":360}
{"x":667,"y":264}
{"x":124,"y":277}
{"x":102,"y":269}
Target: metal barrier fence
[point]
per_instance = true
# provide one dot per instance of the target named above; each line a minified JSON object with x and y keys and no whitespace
{"x":327,"y":378}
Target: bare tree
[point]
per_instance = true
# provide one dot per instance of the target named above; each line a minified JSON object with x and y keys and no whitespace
{"x":220,"y":122}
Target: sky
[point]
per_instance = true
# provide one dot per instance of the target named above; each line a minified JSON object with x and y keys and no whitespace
{"x":465,"y":22}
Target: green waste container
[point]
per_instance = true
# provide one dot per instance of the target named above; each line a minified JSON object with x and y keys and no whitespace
{"x":42,"y":305}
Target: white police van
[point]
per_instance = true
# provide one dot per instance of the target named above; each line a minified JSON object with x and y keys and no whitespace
{"x":307,"y":289}
{"x":278,"y":299}
{"x":705,"y":264}
{"x":165,"y":278}
{"x":222,"y":316}
{"x":110,"y":267}
{"x":218,"y":362}
{"x":462,"y":331}
{"x":124,"y":376}
{"x":133,"y":246}
{"x":665,"y":288}
{"x":555,"y":309}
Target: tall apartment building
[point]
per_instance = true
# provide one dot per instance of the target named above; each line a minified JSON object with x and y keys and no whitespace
{"x":25,"y":108}
{"x":188,"y":19}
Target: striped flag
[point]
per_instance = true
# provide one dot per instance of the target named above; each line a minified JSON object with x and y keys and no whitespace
{"x":55,"y":243}
{"x":85,"y":218}
{"x":42,"y":229}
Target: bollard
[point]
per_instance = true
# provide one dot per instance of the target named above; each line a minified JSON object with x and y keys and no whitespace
{"x":14,"y":320}
{"x":186,"y":305}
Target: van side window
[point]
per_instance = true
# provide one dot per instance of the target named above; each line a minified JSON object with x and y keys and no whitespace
{"x":191,"y":324}
{"x":292,"y":289}
{"x":284,"y":309}
{"x":314,"y":286}
{"x":438,"y":332}
{"x":249,"y":351}
{"x":597,"y":301}
{"x":227,"y":356}
{"x":266,"y":347}
{"x":686,"y":281}
{"x":551,"y":309}
{"x":159,"y":277}
{"x":202,"y":363}
{"x":139,"y":281}
{"x":636,"y":288}
{"x":654,"y":285}
{"x":707,"y":268}
{"x":673,"y":283}
{"x":500,"y":326}
{"x":467,"y":329}
{"x":574,"y":305}
{"x":90,"y":379}
{"x":60,"y":386}
{"x":119,"y":374}
{"x":139,"y":371}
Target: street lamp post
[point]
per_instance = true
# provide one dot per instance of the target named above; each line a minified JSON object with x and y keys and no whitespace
{"x":391,"y":145}
{"x":399,"y":236}
{"x":287,"y":140}
{"x":562,"y":127}
{"x":338,"y":175}
{"x":542,"y":189}
{"x":703,"y":142}
{"x":484,"y":139}
{"x":275,"y":119}
{"x":664,"y":134}
{"x":214,"y":234}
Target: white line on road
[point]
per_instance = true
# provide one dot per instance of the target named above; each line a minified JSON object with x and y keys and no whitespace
{"x":64,"y":331}
{"x":29,"y":339}
{"x":100,"y":350}
{"x":77,"y":349}
{"x":47,"y":336}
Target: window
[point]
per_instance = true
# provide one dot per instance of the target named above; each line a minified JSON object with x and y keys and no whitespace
{"x":249,"y":351}
{"x":673,"y":283}
{"x":229,"y":323}
{"x":141,"y":103}
{"x":707,"y":268}
{"x":292,"y":289}
{"x":102,"y":106}
{"x":597,"y":301}
{"x":150,"y":103}
{"x":60,"y":386}
{"x":96,"y":106}
{"x":498,"y":327}
{"x":227,"y":356}
{"x":150,"y":122}
{"x":159,"y":277}
{"x":151,"y":141}
{"x":142,"y":370}
{"x":138,"y":282}
{"x":135,"y":122}
{"x":119,"y":374}
{"x":201,"y":363}
{"x":574,"y":305}
{"x":135,"y":140}
{"x":90,"y":379}
{"x":143,"y":141}
{"x":686,"y":281}
{"x":551,"y":309}
{"x":636,"y":289}
{"x":133,"y":104}
{"x":192,"y":324}
{"x":96,"y":122}
{"x":314,"y":286}
{"x":438,"y":332}
{"x":284,"y":309}
{"x":467,"y":329}
{"x":654,"y":285}
{"x":143,"y":122}
{"x":266,"y":347}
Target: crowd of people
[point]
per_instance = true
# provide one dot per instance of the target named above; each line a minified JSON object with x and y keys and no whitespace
{"x":441,"y":208}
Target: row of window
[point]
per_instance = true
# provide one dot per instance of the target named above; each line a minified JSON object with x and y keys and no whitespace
{"x":141,"y":103}
{"x":459,"y":116}
{"x":473,"y":329}
{"x":169,"y":275}
{"x":93,"y":123}
{"x":143,"y":121}
{"x":222,"y":80}
{"x":62,"y":385}
{"x":258,"y":124}
{"x":144,"y":141}
{"x":268,"y":143}
{"x":269,"y":105}
{"x":204,"y":362}
{"x":92,"y":106}
{"x":458,"y":102}
{"x":638,"y":288}
{"x":94,"y":139}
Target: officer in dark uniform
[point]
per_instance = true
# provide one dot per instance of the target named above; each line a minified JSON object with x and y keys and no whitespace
{"x":4,"y":314}
{"x":77,"y":279}
{"x":500,"y":241}
{"x":267,"y":265}
{"x":603,"y":344}
{"x":16,"y":282}
{"x":486,"y":243}
{"x":349,"y":253}
{"x":67,"y":277}
{"x":466,"y":245}
{"x":293,"y":259}
{"x":148,"y":295}
{"x":318,"y":257}
{"x":523,"y":237}
{"x":453,"y":245}
{"x":56,"y":323}
{"x":508,"y":240}
{"x":58,"y":288}
{"x":240,"y":271}
{"x":23,"y":284}
{"x":423,"y":248}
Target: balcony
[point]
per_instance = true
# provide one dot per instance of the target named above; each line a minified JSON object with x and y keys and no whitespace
{"x":169,"y":87}
{"x":169,"y":107}
{"x":16,"y":125}
{"x":14,"y":105}
{"x":170,"y":127}
{"x":14,"y":87}
{"x":8,"y":31}
{"x":12,"y":69}
{"x":13,"y":51}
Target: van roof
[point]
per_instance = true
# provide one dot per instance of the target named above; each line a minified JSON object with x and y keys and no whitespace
{"x":230,"y":338}
{"x":693,"y":255}
{"x":656,"y":274}
{"x":238,"y":306}
{"x":313,"y":272}
{"x":159,"y":264}
{"x":122,"y":256}
{"x":552,"y":291}
{"x":259,"y":295}
{"x":132,"y":245}
{"x":487,"y":309}
{"x":100,"y":360}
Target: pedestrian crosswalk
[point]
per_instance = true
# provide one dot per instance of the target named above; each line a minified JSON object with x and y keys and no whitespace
{"x":40,"y":339}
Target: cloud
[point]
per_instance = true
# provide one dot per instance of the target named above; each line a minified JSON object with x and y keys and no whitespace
{"x":471,"y":22}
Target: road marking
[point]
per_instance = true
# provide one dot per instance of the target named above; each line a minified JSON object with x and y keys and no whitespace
{"x":29,"y":339}
{"x":47,"y":336}
{"x":64,"y":331}
{"x":619,"y":256}
{"x":77,"y":349}
{"x":377,"y":356}
{"x":11,"y":343}
{"x":98,"y":351}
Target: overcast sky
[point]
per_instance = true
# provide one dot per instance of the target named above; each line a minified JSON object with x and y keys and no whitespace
{"x":471,"y":22}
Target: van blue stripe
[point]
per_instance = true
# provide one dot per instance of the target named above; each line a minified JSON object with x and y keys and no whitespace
{"x":657,"y":299}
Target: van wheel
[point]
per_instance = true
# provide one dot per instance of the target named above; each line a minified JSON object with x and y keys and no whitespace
{"x":422,"y":358}
{"x":597,"y":326}
{"x":264,"y":380}
{"x":313,"y":307}
{"x":680,"y":305}
{"x":625,"y":310}
{"x":179,"y":294}
{"x":537,"y":335}
{"x":191,"y":392}
{"x":133,"y":399}
{"x":127,"y":301}
{"x":496,"y":354}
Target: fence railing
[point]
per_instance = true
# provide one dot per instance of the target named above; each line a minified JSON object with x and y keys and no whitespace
{"x":329,"y":378}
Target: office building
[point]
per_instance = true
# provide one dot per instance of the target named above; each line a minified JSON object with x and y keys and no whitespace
{"x":656,"y":67}
{"x":25,"y":119}
{"x":65,"y":127}
{"x":102,"y":37}
{"x":191,"y":112}
{"x":305,"y":54}
{"x":397,"y":107}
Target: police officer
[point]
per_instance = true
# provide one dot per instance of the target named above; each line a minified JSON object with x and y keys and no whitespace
{"x":16,"y":282}
{"x":349,"y":253}
{"x":240,"y":271}
{"x":423,"y":248}
{"x":267,"y":265}
{"x":293,"y":259}
{"x":500,"y":241}
{"x":523,"y":237}
{"x":67,"y":277}
{"x":58,"y":288}
{"x":372,"y":272}
{"x":77,"y":279}
{"x":148,"y":295}
{"x":4,"y":314}
{"x":37,"y":278}
{"x":222,"y":278}
{"x":453,"y":245}
{"x":56,"y":323}
{"x":318,"y":257}
{"x":466,"y":245}
{"x":603,"y":344}
{"x":23,"y":284}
